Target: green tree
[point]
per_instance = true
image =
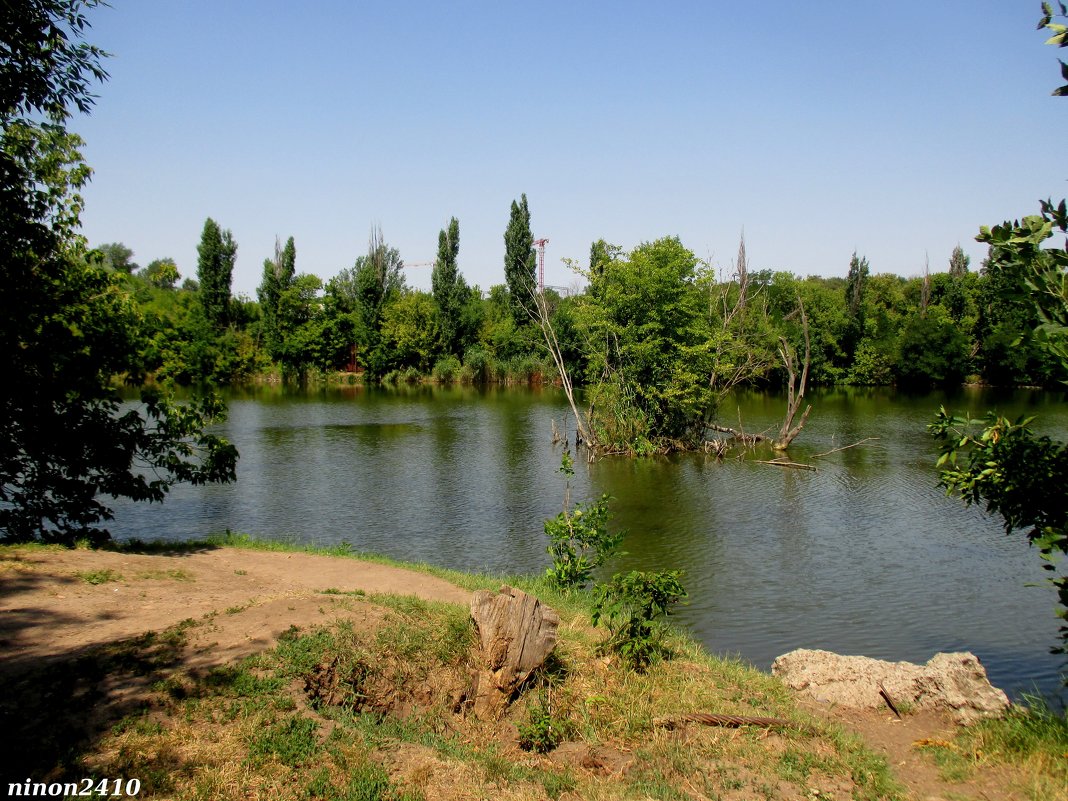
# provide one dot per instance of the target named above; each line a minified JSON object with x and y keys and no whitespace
{"x":278,"y":275}
{"x":449,"y":288}
{"x":958,"y":262}
{"x":162,"y":273}
{"x":116,"y":256}
{"x":376,"y":279}
{"x":409,"y":332}
{"x":650,"y":358}
{"x":69,"y":325}
{"x":1005,"y":465}
{"x":519,"y":262}
{"x":932,"y":350}
{"x":216,"y":254}
{"x":856,"y":283}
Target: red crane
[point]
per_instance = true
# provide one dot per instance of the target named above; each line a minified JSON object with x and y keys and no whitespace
{"x":541,"y":263}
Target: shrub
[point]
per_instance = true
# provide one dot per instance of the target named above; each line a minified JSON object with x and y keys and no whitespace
{"x":479,"y":361}
{"x":446,"y":370}
{"x":579,"y":540}
{"x":630,"y":605}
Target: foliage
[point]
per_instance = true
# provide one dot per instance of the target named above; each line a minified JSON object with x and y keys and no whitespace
{"x":519,"y":261}
{"x":409,"y":332}
{"x":932,"y":350}
{"x":650,"y":358}
{"x":958,"y":263}
{"x":541,"y":732}
{"x":856,"y":283}
{"x":216,"y":254}
{"x":69,"y":325}
{"x":1016,"y":474}
{"x":376,"y":279}
{"x":161,"y":273}
{"x":630,"y":604}
{"x":449,"y":288}
{"x":278,"y":275}
{"x":116,"y":257}
{"x":579,"y":540}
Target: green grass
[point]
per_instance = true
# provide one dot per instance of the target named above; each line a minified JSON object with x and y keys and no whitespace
{"x":98,"y":576}
{"x":1032,"y":737}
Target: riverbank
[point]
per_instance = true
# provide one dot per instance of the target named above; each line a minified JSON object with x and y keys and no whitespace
{"x":284,"y":674}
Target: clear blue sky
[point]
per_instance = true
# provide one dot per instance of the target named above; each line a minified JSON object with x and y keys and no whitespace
{"x":895,"y":129}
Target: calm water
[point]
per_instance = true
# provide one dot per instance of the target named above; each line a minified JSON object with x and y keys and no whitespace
{"x":867,"y":555}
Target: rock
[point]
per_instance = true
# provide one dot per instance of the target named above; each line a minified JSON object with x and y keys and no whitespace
{"x":516,"y":633}
{"x":955,"y":682}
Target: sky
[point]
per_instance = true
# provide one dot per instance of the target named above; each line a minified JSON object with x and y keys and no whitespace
{"x":818,"y":129}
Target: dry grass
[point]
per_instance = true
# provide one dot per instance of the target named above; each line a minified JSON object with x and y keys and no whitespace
{"x":340,"y":713}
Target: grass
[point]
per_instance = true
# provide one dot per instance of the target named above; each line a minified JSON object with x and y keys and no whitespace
{"x":1032,"y":737}
{"x":345,"y":712}
{"x":98,"y":576}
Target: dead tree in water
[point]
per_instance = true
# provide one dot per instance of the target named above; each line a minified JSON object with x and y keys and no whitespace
{"x":540,"y":315}
{"x":796,"y":386}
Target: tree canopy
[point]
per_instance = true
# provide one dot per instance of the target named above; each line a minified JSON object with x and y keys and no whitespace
{"x":69,"y":325}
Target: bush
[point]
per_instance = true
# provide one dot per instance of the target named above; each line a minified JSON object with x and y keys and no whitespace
{"x":630,"y":605}
{"x":579,"y":540}
{"x":541,"y":733}
{"x":446,"y":370}
{"x":479,"y":361}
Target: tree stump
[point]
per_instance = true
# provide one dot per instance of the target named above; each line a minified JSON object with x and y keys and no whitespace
{"x":517,"y":632}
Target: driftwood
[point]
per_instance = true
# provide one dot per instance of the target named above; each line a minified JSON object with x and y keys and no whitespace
{"x":782,"y":463}
{"x":844,"y":447}
{"x":731,"y":721}
{"x":516,"y":633}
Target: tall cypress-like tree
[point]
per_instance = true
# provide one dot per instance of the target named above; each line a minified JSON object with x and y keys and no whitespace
{"x":958,"y":263}
{"x":856,"y":279}
{"x":278,"y":275}
{"x":217,"y":252}
{"x":449,"y":287}
{"x":377,"y":277}
{"x":519,"y":261}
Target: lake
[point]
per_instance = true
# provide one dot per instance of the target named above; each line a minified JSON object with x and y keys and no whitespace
{"x":866,"y":555}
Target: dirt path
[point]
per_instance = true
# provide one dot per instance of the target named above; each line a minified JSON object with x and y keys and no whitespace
{"x":49,"y":610}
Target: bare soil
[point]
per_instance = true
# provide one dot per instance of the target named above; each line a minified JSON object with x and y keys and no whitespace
{"x":49,"y":610}
{"x":242,"y":601}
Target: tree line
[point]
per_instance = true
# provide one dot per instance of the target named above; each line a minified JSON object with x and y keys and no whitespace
{"x":651,"y":314}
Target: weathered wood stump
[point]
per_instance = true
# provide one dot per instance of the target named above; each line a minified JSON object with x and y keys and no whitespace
{"x":517,"y":632}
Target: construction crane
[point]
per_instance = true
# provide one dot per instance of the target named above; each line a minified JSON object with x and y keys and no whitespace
{"x":541,"y":263}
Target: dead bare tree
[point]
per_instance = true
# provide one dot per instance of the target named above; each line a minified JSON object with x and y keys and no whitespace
{"x":540,"y":315}
{"x":796,"y":386}
{"x":734,"y":360}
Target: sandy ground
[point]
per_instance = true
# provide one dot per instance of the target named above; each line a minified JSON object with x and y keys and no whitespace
{"x":244,"y":599}
{"x":49,"y":611}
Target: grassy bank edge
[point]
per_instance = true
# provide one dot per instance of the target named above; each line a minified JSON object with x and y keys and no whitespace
{"x":1034,"y":739}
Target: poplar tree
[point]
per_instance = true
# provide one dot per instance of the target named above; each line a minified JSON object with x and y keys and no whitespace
{"x":958,"y":262}
{"x":217,"y":252}
{"x":278,"y":276}
{"x":519,"y":261}
{"x":449,"y":287}
{"x":856,"y":279}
